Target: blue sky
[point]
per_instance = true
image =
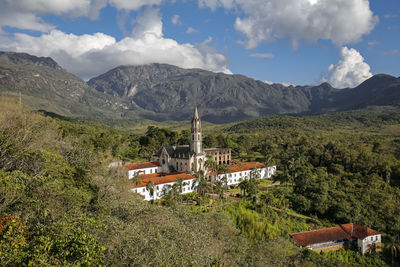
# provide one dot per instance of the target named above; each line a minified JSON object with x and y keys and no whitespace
{"x":294,"y":42}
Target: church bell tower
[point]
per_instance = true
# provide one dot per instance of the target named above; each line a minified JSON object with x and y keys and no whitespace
{"x":196,"y":142}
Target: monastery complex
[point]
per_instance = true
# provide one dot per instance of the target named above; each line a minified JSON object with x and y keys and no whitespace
{"x":171,"y":163}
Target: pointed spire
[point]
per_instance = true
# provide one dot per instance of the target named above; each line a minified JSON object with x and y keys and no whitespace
{"x":195,"y":114}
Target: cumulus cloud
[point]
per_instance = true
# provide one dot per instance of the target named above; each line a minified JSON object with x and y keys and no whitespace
{"x":262,"y":55}
{"x":92,"y":54}
{"x":341,"y":21}
{"x":133,"y":4}
{"x":176,"y":20}
{"x":27,"y":14}
{"x":350,"y":71}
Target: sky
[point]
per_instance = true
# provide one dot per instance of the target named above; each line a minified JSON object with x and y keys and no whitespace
{"x":293,"y":42}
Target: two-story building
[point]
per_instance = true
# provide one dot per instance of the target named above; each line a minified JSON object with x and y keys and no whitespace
{"x":342,"y":236}
{"x":244,"y":170}
{"x":162,"y":183}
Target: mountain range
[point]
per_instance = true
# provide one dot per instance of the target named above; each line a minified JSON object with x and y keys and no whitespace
{"x":164,"y":92}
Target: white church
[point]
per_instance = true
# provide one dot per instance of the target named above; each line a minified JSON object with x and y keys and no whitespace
{"x":171,"y":163}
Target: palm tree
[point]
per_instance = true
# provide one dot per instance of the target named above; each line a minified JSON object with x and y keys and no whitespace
{"x":243,"y":185}
{"x":179,"y":182}
{"x":136,"y":179}
{"x":150,"y":187}
{"x":252,"y":188}
{"x":219,"y":189}
{"x":211,"y":164}
{"x":202,"y":186}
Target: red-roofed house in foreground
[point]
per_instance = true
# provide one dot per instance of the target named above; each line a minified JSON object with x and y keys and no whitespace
{"x":342,"y":236}
{"x":173,"y":162}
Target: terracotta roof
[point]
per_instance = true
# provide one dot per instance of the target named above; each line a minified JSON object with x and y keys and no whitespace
{"x":243,"y":166}
{"x":142,"y":165}
{"x":343,"y":232}
{"x":162,"y":178}
{"x":359,"y":231}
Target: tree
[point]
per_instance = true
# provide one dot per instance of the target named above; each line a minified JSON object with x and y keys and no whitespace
{"x":136,"y":179}
{"x":243,"y":185}
{"x":150,"y":187}
{"x":202,"y":186}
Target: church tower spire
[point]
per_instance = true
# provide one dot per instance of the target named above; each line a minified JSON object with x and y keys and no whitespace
{"x":196,"y":142}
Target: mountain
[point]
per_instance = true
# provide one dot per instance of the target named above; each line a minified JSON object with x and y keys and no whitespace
{"x":44,"y":85}
{"x":164,"y":92}
{"x":171,"y":92}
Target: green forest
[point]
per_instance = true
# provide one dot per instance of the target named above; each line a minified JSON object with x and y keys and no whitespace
{"x":60,"y":204}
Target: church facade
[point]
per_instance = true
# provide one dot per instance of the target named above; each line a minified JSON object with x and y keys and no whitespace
{"x":188,"y":158}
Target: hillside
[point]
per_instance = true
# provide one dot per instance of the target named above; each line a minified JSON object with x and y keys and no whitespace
{"x":44,"y":85}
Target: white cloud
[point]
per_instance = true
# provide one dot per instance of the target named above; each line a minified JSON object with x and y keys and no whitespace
{"x":133,"y":4}
{"x":176,"y":20}
{"x":262,"y":55}
{"x":27,"y":14}
{"x":191,"y":30}
{"x":287,"y":84}
{"x":341,"y":21}
{"x":92,"y":54}
{"x":350,"y":71}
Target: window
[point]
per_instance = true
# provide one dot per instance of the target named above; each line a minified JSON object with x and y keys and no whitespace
{"x":151,"y":171}
{"x":372,"y":238}
{"x":144,"y":189}
{"x":376,"y":238}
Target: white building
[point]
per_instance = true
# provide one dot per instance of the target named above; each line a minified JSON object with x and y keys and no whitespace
{"x":342,"y":236}
{"x":244,"y":170}
{"x":162,"y":184}
{"x":139,"y":168}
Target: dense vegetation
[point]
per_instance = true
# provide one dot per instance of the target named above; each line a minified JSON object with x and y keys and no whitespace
{"x":60,"y":204}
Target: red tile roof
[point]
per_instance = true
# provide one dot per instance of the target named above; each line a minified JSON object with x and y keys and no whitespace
{"x":142,"y":165}
{"x":161,"y":178}
{"x":243,"y":166}
{"x":342,"y":232}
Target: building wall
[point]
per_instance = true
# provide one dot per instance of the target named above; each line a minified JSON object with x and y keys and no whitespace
{"x":161,"y":189}
{"x":220,"y":155}
{"x":329,"y":248}
{"x":180,"y":164}
{"x":373,"y":240}
{"x":132,"y":173}
{"x":236,"y":177}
